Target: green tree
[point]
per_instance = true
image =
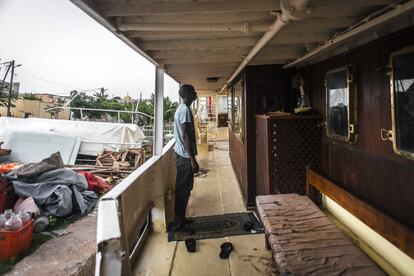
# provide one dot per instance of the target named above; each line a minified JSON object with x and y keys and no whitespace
{"x":84,"y":101}
{"x":146,"y":107}
{"x":30,"y":97}
{"x":101,"y":95}
{"x":100,"y":101}
{"x":169,"y":110}
{"x":4,"y":93}
{"x":3,"y":96}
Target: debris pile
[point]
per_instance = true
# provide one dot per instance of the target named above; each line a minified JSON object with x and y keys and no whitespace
{"x":114,"y":164}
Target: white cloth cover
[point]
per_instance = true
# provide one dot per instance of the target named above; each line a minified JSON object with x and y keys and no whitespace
{"x":95,"y":136}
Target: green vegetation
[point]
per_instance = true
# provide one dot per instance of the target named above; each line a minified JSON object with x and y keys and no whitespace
{"x":3,"y":96}
{"x":30,"y":97}
{"x":56,"y":223}
{"x":100,"y":100}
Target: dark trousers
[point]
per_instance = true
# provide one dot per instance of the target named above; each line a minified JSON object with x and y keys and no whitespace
{"x":183,"y":186}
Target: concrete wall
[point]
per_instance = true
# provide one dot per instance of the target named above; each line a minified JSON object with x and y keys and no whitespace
{"x":36,"y":108}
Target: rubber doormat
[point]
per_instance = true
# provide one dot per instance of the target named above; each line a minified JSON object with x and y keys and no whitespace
{"x":219,"y":226}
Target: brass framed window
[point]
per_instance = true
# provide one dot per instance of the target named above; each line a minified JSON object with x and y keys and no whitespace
{"x":237,"y":109}
{"x":402,"y":101}
{"x":230,"y":108}
{"x":341,"y":104}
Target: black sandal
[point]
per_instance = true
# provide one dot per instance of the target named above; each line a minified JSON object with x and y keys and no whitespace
{"x":190,"y":244}
{"x":226,"y":249}
{"x":248,"y":226}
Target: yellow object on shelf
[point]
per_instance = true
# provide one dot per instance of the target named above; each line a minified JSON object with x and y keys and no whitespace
{"x":302,"y":109}
{"x":278,"y":113}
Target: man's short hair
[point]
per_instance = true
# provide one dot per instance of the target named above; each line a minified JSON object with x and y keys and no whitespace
{"x":185,"y":89}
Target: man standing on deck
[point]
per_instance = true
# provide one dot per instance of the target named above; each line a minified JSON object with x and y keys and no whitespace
{"x":185,"y":151}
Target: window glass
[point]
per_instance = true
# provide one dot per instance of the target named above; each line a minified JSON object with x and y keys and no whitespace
{"x":202,"y":109}
{"x":403,"y":94}
{"x":230,"y":107}
{"x":222,"y":108}
{"x":338,"y":103}
{"x":238,"y":109}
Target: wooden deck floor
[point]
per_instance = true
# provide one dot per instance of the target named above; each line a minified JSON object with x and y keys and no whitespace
{"x":217,"y":193}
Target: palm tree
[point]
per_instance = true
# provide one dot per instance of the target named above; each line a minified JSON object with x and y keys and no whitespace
{"x":101,"y":95}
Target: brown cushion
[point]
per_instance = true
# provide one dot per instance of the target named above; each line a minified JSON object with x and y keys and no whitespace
{"x":304,"y":241}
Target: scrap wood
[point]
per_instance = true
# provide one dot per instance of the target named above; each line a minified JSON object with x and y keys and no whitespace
{"x":4,"y":151}
{"x":126,"y":158}
{"x":100,"y":170}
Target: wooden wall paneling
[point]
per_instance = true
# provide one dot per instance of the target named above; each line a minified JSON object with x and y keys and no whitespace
{"x":262,"y":156}
{"x":250,"y":105}
{"x":369,"y":169}
{"x":260,"y":81}
{"x":238,"y":157}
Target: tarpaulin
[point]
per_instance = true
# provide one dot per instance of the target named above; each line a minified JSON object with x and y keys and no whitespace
{"x":57,"y":191}
{"x":94,"y":135}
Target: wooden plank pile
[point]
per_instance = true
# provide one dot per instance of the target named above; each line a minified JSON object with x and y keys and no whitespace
{"x":114,"y":163}
{"x":4,"y":152}
{"x":128,"y":158}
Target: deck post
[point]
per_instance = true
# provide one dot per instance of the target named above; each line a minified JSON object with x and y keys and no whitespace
{"x":158,"y":111}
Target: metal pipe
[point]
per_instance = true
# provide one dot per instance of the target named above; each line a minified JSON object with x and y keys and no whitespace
{"x":274,"y":28}
{"x":211,"y":27}
{"x":102,"y":110}
{"x":158,"y":111}
{"x":292,"y":10}
{"x":397,"y":10}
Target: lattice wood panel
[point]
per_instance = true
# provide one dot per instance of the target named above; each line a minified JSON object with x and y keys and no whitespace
{"x":294,"y":144}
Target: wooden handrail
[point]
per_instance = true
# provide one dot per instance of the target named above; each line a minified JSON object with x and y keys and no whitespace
{"x":392,"y":230}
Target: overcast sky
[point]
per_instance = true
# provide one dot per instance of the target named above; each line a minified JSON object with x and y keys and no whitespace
{"x":61,"y":49}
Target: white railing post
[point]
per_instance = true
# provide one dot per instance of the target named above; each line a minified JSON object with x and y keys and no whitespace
{"x":158,"y":111}
{"x":81,"y":114}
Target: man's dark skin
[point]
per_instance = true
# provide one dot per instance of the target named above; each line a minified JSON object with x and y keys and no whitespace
{"x":188,"y":100}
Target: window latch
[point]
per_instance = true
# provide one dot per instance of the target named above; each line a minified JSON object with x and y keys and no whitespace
{"x":386,"y":135}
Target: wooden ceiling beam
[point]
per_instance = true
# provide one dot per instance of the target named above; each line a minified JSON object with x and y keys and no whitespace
{"x":239,"y":51}
{"x":288,"y":38}
{"x":313,"y":24}
{"x":164,"y":8}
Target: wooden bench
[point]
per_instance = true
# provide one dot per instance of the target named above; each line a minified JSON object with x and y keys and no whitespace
{"x":304,"y":241}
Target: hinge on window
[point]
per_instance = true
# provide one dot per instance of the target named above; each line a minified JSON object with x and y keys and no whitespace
{"x":352,"y":128}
